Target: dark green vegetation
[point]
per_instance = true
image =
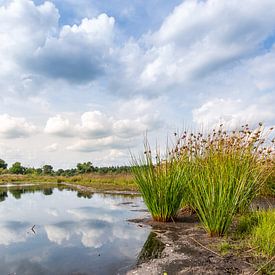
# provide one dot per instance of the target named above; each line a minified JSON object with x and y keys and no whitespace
{"x":47,"y":170}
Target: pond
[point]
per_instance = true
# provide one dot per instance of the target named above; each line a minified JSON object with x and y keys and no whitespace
{"x":61,"y":231}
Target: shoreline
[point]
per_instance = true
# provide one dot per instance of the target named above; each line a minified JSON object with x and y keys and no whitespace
{"x":180,"y":247}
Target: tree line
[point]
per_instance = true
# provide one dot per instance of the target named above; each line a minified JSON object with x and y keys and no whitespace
{"x":81,"y":168}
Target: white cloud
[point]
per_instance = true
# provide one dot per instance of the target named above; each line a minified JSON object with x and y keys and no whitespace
{"x":59,"y":126}
{"x":79,"y":53}
{"x":20,"y":21}
{"x":200,"y":37}
{"x":52,"y":147}
{"x":201,"y":53}
{"x":95,"y":125}
{"x":94,"y":145}
{"x":15,"y":127}
{"x":232,"y":113}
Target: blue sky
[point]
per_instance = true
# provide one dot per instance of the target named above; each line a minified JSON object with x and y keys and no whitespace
{"x":84,"y":80}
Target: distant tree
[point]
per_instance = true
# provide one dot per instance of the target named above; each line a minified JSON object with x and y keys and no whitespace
{"x":30,"y":171}
{"x":85,"y":167}
{"x":47,"y":169}
{"x":38,"y":171}
{"x":70,"y":172}
{"x":17,"y":168}
{"x":3,"y":164}
{"x":60,"y":172}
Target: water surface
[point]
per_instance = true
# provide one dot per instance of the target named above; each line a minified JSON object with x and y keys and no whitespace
{"x":54,"y":231}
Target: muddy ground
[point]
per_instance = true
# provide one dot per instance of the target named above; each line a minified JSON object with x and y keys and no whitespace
{"x":183,"y":247}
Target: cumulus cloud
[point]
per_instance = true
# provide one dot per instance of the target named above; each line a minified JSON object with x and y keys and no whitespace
{"x":20,"y":21}
{"x":95,"y":125}
{"x":99,"y":131}
{"x":232,"y":113}
{"x":59,"y":126}
{"x":203,"y":52}
{"x":101,"y":144}
{"x":200,"y":37}
{"x":15,"y":127}
{"x":79,"y":53}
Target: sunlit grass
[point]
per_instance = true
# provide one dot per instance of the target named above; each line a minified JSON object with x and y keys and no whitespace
{"x":162,"y":183}
{"x":228,"y":169}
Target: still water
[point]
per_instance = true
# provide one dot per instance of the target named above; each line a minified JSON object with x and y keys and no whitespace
{"x":54,"y":231}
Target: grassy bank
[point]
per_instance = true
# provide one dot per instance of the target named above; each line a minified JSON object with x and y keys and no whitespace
{"x":118,"y":182}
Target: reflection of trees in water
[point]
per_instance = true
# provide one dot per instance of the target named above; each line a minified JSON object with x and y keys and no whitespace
{"x":18,"y":191}
{"x":151,"y":249}
{"x":47,"y":191}
{"x":3,"y":195}
{"x":84,"y":194}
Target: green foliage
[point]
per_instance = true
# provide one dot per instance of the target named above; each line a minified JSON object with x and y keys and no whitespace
{"x":85,"y":167}
{"x":263,"y":234}
{"x":47,"y":169}
{"x":161,"y":183}
{"x":259,"y":228}
{"x":3,"y":164}
{"x":17,"y":168}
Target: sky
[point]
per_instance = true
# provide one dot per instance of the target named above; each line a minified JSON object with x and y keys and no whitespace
{"x":85,"y":80}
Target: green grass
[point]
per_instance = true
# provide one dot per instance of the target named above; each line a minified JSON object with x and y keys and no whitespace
{"x":263,"y":235}
{"x":224,"y":247}
{"x":121,"y":182}
{"x":226,"y":172}
{"x":259,"y":228}
{"x":161,"y":183}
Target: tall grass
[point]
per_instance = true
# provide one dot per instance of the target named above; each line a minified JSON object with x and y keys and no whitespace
{"x":263,"y":235}
{"x":259,"y":226}
{"x":161,"y":183}
{"x":227,"y":172}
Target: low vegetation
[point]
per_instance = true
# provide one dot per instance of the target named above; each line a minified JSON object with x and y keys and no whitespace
{"x":222,"y":172}
{"x":227,"y":172}
{"x":161,"y":183}
{"x":259,"y":227}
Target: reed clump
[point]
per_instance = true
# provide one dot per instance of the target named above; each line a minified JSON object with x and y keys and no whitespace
{"x":228,"y":169}
{"x":162,"y":183}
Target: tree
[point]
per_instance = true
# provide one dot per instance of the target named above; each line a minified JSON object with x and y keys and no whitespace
{"x":60,"y":172}
{"x":3,"y":164}
{"x":85,"y":167}
{"x":47,"y":169}
{"x":17,"y":168}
